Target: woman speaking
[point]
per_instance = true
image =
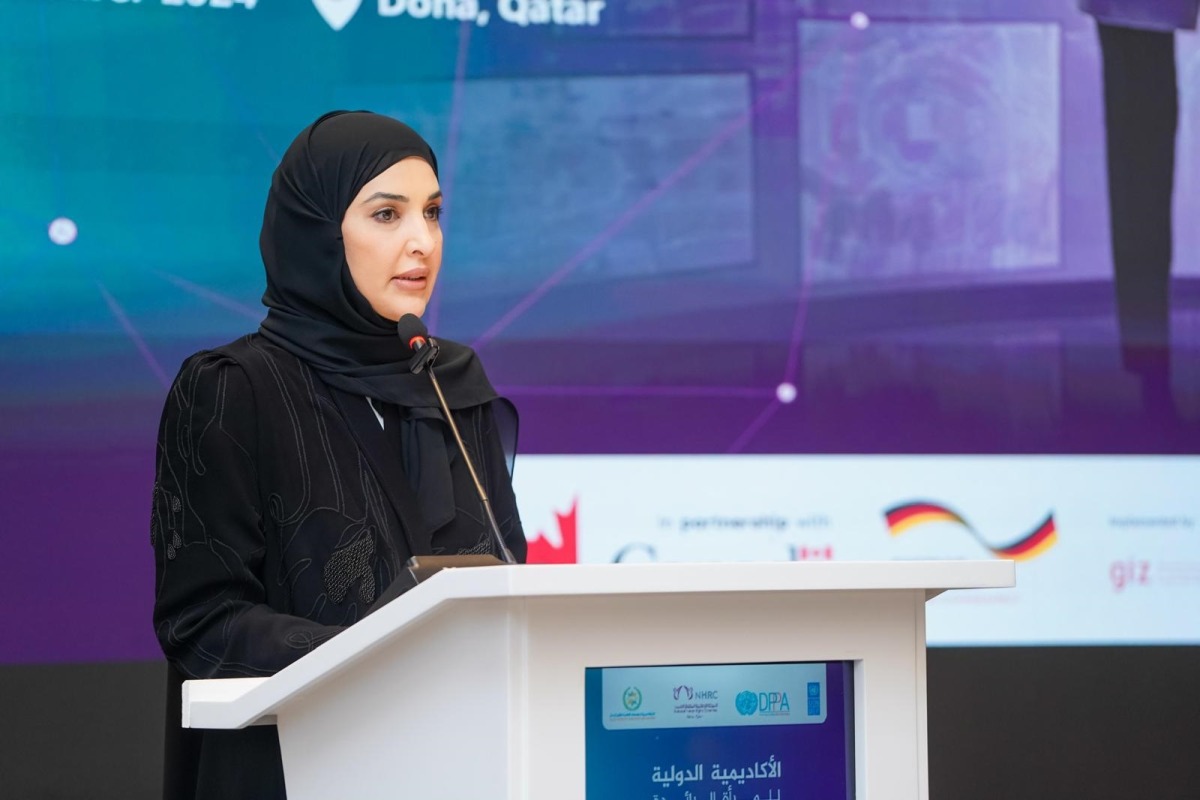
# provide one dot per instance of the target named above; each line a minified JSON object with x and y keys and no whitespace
{"x":298,"y":468}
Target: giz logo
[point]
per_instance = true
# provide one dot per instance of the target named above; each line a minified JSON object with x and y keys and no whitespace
{"x":337,"y":12}
{"x":1130,"y":572}
{"x":543,"y":550}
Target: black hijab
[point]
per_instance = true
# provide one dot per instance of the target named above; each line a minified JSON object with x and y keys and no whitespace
{"x":314,"y":309}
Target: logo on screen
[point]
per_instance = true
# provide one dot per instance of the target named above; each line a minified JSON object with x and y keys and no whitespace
{"x":542,"y":548}
{"x":1028,"y":546}
{"x":337,"y":12}
{"x":632,"y":698}
{"x":765,"y":703}
{"x":685,"y":691}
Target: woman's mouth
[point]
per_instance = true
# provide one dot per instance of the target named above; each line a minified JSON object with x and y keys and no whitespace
{"x":413,"y":280}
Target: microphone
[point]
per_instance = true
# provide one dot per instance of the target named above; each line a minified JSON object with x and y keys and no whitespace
{"x":425,"y":350}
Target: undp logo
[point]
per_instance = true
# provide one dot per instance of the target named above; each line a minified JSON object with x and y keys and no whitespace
{"x":747,"y":703}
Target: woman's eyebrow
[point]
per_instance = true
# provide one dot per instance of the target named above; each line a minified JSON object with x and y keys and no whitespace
{"x":399,"y":198}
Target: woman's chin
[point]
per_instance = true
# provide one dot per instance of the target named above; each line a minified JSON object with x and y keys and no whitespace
{"x":394,"y":311}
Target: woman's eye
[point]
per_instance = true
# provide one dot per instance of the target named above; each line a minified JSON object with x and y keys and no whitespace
{"x":433,"y":213}
{"x":385,"y":215}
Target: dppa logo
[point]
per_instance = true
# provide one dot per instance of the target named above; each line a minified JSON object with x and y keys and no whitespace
{"x":337,"y":12}
{"x":904,"y":517}
{"x":749,"y":703}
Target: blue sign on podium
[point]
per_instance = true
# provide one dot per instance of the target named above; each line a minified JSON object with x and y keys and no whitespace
{"x":720,"y":732}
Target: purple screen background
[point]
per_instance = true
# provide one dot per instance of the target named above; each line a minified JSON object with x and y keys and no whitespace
{"x":699,"y":227}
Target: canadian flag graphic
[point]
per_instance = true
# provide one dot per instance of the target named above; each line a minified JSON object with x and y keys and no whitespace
{"x":543,"y":549}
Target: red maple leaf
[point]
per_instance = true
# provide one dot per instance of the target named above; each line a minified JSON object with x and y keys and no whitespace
{"x":543,"y":551}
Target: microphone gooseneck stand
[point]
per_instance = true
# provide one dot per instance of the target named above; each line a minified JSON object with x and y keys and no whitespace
{"x":425,"y":351}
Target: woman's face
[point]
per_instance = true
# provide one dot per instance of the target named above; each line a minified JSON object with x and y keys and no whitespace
{"x":393,"y":238}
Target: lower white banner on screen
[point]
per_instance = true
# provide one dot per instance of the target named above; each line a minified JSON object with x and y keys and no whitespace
{"x":1107,"y":547}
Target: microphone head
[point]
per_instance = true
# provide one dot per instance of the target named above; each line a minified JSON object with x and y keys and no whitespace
{"x":412,"y":332}
{"x":424,"y":349}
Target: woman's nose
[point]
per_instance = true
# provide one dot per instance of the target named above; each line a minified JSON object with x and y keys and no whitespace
{"x":419,"y":241}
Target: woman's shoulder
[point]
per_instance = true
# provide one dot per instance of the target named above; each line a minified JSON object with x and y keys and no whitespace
{"x":235,"y":373}
{"x":250,"y":355}
{"x":244,"y":374}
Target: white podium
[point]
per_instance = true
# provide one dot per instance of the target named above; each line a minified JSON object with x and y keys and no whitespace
{"x":471,"y":685}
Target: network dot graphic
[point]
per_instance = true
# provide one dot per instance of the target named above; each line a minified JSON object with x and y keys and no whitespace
{"x":785,"y":392}
{"x":63,"y":231}
{"x":859,"y":20}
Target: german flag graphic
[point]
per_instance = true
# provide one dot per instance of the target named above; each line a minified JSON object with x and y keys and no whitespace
{"x":905,"y":517}
{"x":910,"y":515}
{"x":1032,"y":545}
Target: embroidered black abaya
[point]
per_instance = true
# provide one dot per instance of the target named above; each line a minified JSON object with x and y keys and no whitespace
{"x":283,"y":507}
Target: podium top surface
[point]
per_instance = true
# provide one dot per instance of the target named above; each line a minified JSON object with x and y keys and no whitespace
{"x":234,"y":703}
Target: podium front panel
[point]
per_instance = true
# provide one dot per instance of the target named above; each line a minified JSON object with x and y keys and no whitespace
{"x":881,"y":633}
{"x":434,"y":715}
